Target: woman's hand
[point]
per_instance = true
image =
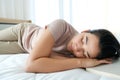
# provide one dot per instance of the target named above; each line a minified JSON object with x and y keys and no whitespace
{"x":85,"y":63}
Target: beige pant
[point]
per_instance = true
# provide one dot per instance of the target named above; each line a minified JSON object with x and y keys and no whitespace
{"x":11,"y":39}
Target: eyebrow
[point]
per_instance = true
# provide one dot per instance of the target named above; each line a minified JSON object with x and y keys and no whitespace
{"x":86,"y":43}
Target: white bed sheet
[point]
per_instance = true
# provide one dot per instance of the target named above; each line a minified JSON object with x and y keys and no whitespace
{"x":12,"y":68}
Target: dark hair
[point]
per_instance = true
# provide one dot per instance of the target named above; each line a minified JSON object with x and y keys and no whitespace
{"x":109,"y":45}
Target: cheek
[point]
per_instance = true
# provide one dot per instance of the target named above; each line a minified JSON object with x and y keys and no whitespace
{"x":77,"y":40}
{"x":79,"y":54}
{"x":94,"y":51}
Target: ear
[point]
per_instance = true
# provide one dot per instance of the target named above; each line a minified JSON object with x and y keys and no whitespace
{"x":85,"y":30}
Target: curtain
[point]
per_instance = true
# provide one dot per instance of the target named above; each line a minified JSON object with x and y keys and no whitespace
{"x":82,"y":14}
{"x":17,"y":9}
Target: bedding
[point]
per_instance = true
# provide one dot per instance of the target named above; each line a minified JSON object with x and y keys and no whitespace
{"x":12,"y":68}
{"x":111,"y":70}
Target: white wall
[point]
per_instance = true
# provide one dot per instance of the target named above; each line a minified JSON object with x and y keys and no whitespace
{"x":17,"y":9}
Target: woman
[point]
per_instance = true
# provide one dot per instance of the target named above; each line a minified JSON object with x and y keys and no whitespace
{"x":59,"y":46}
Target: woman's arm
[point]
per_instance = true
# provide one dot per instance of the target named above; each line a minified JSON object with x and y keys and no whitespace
{"x":47,"y":65}
{"x":51,"y":65}
{"x":39,"y":59}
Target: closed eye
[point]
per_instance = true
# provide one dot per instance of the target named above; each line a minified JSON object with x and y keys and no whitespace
{"x":88,"y":55}
{"x":86,"y":40}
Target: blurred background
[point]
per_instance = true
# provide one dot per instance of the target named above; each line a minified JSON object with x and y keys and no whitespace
{"x":82,"y":14}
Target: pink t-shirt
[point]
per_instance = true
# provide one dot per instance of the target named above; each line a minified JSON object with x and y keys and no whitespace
{"x":61,"y":31}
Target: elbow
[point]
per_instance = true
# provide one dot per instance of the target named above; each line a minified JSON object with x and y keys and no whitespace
{"x":37,"y":66}
{"x":33,"y":67}
{"x":28,"y":68}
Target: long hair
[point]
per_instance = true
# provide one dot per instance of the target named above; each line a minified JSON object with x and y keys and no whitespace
{"x":109,"y":45}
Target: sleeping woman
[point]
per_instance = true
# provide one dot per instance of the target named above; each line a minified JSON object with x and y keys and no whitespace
{"x":58,"y":46}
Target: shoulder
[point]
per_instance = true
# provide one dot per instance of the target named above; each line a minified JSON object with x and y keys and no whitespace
{"x":59,"y":23}
{"x":58,"y":28}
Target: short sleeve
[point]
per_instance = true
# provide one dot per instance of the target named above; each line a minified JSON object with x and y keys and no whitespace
{"x":58,"y":28}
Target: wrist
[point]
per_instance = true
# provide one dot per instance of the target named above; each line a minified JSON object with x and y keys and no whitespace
{"x":80,"y":63}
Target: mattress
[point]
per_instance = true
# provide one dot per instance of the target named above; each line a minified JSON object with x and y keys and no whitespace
{"x":12,"y":68}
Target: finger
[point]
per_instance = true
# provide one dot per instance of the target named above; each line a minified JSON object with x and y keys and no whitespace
{"x":105,"y":61}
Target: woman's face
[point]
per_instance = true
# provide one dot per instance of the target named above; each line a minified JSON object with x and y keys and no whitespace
{"x":84,"y":45}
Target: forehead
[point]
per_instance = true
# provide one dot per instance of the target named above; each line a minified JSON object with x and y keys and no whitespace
{"x":93,"y":45}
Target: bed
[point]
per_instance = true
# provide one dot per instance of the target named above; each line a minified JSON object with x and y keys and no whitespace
{"x":12,"y":66}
